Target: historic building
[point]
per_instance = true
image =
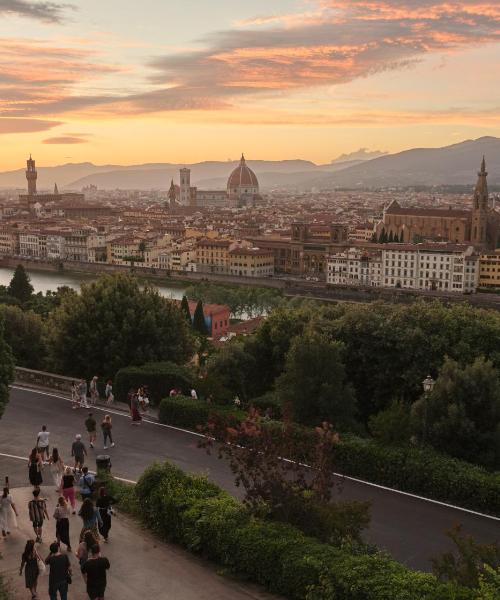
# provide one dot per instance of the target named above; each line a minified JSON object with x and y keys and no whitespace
{"x":479,"y":225}
{"x":242,"y":190}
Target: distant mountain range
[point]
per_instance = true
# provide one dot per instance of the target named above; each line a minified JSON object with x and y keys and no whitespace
{"x":454,"y":165}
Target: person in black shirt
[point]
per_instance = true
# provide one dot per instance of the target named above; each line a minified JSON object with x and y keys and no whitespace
{"x":94,"y":573}
{"x":60,"y":572}
{"x":103,"y":503}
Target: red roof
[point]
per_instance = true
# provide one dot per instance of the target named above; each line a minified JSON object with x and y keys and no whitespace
{"x":242,"y":176}
{"x":442,"y":213}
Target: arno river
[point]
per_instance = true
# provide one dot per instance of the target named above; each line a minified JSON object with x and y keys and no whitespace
{"x":51,"y":280}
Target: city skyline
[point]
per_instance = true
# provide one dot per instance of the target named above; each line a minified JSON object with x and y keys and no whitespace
{"x":307,"y":79}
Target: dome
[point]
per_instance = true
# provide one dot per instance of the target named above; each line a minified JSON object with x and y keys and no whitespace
{"x":242,"y":176}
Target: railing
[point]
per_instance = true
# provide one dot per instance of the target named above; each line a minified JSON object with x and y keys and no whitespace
{"x":42,"y":379}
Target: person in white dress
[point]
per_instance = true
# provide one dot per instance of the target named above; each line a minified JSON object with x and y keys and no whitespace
{"x":8,"y":513}
{"x":56,"y":468}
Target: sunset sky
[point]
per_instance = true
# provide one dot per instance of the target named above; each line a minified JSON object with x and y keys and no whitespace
{"x":127,"y":82}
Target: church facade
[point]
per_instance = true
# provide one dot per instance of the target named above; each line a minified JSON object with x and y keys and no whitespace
{"x":479,"y":225}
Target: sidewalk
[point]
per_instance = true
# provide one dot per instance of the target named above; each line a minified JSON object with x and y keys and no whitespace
{"x":141,"y":566}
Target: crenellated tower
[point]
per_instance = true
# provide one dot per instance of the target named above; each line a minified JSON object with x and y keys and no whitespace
{"x":31,"y":176}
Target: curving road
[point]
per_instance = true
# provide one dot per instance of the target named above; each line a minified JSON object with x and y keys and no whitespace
{"x":411,"y":529}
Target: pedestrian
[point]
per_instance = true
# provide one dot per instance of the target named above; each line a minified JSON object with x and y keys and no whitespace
{"x":104,"y":503}
{"x":79,"y":452}
{"x":173,"y":392}
{"x":91,"y":518}
{"x":35,"y":465}
{"x":194,"y":395}
{"x":68,"y":488}
{"x":87,"y":484}
{"x":82,"y":391}
{"x":37,"y":509}
{"x":90,"y":424}
{"x":142,"y":399}
{"x":30,"y":562}
{"x":42,"y":442}
{"x":56,"y":468}
{"x":94,"y":572}
{"x":134,"y":410}
{"x":8,"y":513}
{"x":108,"y":392}
{"x":61,"y":516}
{"x":75,"y":403}
{"x":106,"y":427}
{"x":84,"y":547}
{"x":60,"y":572}
{"x":94,"y":392}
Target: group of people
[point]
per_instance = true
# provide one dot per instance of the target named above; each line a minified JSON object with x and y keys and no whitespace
{"x":96,"y":522}
{"x":81,"y":393}
{"x":138,"y":401}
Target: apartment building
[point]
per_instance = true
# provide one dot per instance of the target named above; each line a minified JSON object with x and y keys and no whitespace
{"x":354,"y":266}
{"x":489,"y":270}
{"x":251,"y":262}
{"x":212,"y":255}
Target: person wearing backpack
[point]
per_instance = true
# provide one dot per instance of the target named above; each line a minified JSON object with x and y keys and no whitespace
{"x":87,"y":484}
{"x":91,"y":518}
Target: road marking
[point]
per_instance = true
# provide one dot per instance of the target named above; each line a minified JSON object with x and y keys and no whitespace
{"x":91,"y":472}
{"x":355,"y":479}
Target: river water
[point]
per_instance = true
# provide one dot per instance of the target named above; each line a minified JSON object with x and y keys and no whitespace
{"x":51,"y":280}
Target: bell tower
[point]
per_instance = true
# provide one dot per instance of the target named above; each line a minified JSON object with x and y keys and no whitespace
{"x":31,"y":176}
{"x":480,"y":208}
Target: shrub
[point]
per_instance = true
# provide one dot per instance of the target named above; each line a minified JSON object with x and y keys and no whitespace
{"x":160,"y":377}
{"x":182,"y":411}
{"x":200,"y":516}
{"x":268,"y":400}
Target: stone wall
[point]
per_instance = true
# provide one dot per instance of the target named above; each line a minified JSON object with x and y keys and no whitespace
{"x":41,"y":379}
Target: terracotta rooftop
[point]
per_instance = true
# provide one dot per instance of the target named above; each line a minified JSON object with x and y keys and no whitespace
{"x":428,"y":212}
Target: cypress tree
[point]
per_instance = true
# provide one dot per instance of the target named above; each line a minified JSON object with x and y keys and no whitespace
{"x":20,"y":286}
{"x":199,"y":319}
{"x":185,"y":309}
{"x":374,"y":237}
{"x":391,"y":237}
{"x":383,"y":236}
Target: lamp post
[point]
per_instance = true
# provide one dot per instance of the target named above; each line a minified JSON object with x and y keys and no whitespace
{"x":428,"y":385}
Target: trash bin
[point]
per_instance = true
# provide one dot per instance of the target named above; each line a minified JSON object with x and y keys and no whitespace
{"x":103,"y":463}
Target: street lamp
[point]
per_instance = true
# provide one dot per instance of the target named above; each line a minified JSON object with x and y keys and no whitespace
{"x":428,"y":385}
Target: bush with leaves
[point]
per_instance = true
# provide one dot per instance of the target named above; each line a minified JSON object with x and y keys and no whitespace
{"x":114,"y":323}
{"x":25,"y":334}
{"x":6,"y":368}
{"x":393,"y":425}
{"x":183,"y":411}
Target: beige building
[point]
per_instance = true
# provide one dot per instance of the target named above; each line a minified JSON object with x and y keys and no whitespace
{"x":489,"y":270}
{"x":354,"y":266}
{"x":8,"y":240}
{"x":251,"y":262}
{"x":212,"y":255}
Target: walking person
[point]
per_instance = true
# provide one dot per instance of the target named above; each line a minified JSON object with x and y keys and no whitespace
{"x":94,"y":392}
{"x":42,"y":442}
{"x":91,"y":519}
{"x":68,"y":488}
{"x":94,"y":572}
{"x":56,"y":467}
{"x":108,"y":392}
{"x":8,"y":513}
{"x":86,"y":483}
{"x":90,"y":425}
{"x":106,"y":427}
{"x":35,"y":465}
{"x":78,"y":451}
{"x":75,"y":396}
{"x":61,"y":516}
{"x":134,"y":410}
{"x":84,"y":547}
{"x":104,"y":503}
{"x":60,"y":572}
{"x":37,"y":509}
{"x":82,"y":392}
{"x":30,"y":560}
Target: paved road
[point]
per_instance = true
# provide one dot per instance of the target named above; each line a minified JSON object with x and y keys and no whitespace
{"x":412,"y":530}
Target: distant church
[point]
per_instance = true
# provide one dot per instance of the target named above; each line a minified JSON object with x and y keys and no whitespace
{"x":479,"y":226}
{"x":242,"y":190}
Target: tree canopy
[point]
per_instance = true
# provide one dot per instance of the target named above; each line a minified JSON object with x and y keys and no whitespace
{"x":20,"y":286}
{"x":24,"y":332}
{"x":199,"y":324}
{"x":6,"y":368}
{"x":112,"y":324}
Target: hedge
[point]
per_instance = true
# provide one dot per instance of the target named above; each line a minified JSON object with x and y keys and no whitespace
{"x":160,"y":377}
{"x":183,"y":411}
{"x":197,"y":514}
{"x":421,"y":471}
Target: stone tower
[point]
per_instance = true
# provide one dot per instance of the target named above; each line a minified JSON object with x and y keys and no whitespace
{"x":480,"y":208}
{"x":185,"y":192}
{"x":31,"y":176}
{"x":172,"y":195}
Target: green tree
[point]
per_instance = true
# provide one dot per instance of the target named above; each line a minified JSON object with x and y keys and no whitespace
{"x":6,"y":369}
{"x":185,"y":309}
{"x":374,"y":238}
{"x":313,"y":385}
{"x":462,"y":414}
{"x":230,"y":372}
{"x":390,"y":239}
{"x":392,"y":425}
{"x":20,"y":286}
{"x":199,"y":324}
{"x":383,"y":236}
{"x":489,"y":584}
{"x":114,"y":324}
{"x":24,"y":332}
